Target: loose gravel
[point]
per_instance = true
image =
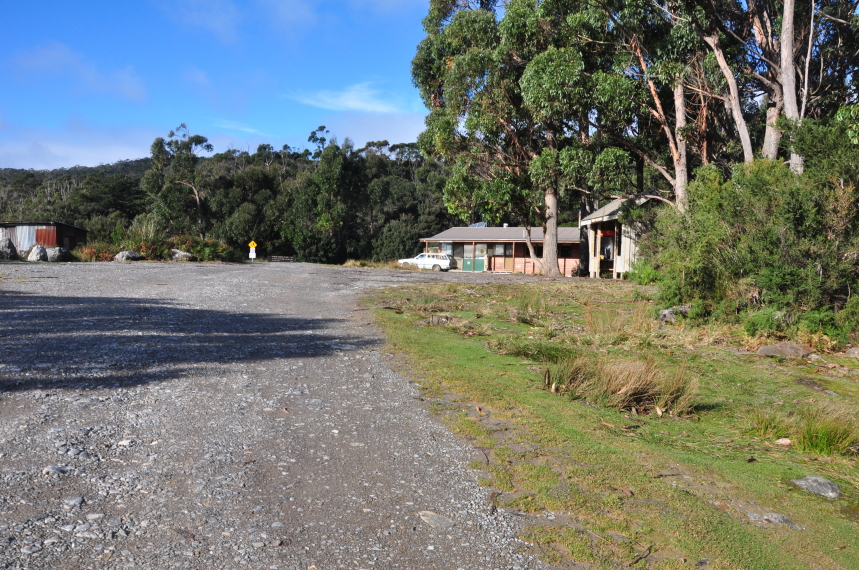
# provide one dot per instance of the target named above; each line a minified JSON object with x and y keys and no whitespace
{"x":225,"y":416}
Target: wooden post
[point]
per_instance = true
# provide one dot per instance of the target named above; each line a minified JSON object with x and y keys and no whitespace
{"x":598,"y":248}
{"x":473,"y":256}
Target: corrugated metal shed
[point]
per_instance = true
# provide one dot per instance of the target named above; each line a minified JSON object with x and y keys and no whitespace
{"x":26,"y":234}
{"x":565,"y":235}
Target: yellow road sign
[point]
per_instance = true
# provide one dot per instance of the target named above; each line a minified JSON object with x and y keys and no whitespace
{"x":252,"y":244}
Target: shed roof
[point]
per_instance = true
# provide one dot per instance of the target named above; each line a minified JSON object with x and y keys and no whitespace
{"x":611,"y":210}
{"x":31,"y":223}
{"x":516,"y":234}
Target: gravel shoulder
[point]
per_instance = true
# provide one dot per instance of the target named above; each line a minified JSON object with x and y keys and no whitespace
{"x":224,"y":416}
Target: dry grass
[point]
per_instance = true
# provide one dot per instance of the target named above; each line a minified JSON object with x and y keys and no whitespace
{"x":625,"y":384}
{"x":374,"y":264}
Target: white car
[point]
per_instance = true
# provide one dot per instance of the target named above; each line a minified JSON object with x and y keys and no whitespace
{"x":434,"y":261}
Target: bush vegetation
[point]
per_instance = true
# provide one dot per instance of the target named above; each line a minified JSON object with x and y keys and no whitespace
{"x":776,"y":251}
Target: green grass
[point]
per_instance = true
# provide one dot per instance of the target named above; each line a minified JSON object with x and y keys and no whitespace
{"x":682,"y":483}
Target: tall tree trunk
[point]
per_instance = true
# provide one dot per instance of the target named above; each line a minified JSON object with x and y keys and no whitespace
{"x":681,"y":166}
{"x":787,"y":73}
{"x":772,"y":135}
{"x":550,"y":236}
{"x":734,"y":103}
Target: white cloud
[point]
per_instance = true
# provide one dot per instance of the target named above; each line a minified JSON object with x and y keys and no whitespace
{"x":292,"y":15}
{"x":395,"y":128}
{"x":240,"y":127}
{"x":360,"y":97}
{"x":72,"y":144}
{"x":56,"y":59}
{"x":220,"y":17}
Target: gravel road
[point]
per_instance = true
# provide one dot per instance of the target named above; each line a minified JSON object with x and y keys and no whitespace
{"x":224,"y":416}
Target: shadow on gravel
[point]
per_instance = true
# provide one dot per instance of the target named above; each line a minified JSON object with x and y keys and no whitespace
{"x":83,"y":342}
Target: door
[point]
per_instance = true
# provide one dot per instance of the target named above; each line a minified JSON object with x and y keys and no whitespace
{"x":480,"y":256}
{"x":508,"y":257}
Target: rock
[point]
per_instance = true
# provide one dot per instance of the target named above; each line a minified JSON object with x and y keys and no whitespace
{"x":73,"y":502}
{"x":7,"y":249}
{"x":785,"y":350}
{"x":816,"y":358}
{"x":179,"y":255}
{"x":38,"y":253}
{"x":32,"y":549}
{"x":670,"y":315}
{"x":819,"y":486}
{"x":854,"y":352}
{"x":58,"y":254}
{"x":434,"y":520}
{"x":54,"y":470}
{"x":257,"y":544}
{"x":127,"y":256}
{"x":782,"y":441}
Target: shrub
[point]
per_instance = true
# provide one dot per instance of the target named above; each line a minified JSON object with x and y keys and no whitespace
{"x":96,"y":252}
{"x":643,"y":273}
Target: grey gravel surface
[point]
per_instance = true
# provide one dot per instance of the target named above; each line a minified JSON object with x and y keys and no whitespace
{"x":224,"y":416}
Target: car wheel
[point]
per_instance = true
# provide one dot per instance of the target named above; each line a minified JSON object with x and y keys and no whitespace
{"x":436,"y":267}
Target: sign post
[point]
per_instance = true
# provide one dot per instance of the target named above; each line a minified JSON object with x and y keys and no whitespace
{"x":253,"y":253}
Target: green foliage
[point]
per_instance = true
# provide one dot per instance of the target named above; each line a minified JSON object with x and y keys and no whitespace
{"x":643,"y":273}
{"x":767,"y":238}
{"x":849,"y":115}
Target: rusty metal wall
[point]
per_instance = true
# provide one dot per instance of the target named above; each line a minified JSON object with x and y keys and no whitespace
{"x":46,"y":236}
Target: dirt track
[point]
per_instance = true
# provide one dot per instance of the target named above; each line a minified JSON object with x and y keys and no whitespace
{"x":223,"y":416}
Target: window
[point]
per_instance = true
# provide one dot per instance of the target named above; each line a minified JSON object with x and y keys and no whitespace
{"x":499,"y":249}
{"x":458,"y":250}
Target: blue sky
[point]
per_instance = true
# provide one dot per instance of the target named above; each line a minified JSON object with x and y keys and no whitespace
{"x":93,"y":82}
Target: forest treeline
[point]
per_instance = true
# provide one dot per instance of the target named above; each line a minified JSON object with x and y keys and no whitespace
{"x":323,"y":205}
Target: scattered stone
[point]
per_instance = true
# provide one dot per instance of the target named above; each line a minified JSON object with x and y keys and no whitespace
{"x":127,"y":256}
{"x":776,"y":518}
{"x":94,"y":516}
{"x":816,"y":358}
{"x":7,"y":249}
{"x":32,"y":549}
{"x":785,"y":350}
{"x":56,"y":254}
{"x":819,"y":486}
{"x":258,"y":544}
{"x":179,"y":255}
{"x":783,"y":441}
{"x":434,"y":520}
{"x":854,"y":352}
{"x":73,"y":502}
{"x":55,"y":470}
{"x":38,"y":253}
{"x":670,"y":315}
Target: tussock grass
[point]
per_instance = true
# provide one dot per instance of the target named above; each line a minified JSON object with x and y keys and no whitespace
{"x":531,"y":306}
{"x":825,"y":429}
{"x":624,"y":384}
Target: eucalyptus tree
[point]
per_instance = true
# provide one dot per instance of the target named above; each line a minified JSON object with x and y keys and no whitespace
{"x":511,"y":104}
{"x":172,"y":181}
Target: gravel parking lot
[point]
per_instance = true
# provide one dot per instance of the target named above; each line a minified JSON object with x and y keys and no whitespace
{"x":224,"y":416}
